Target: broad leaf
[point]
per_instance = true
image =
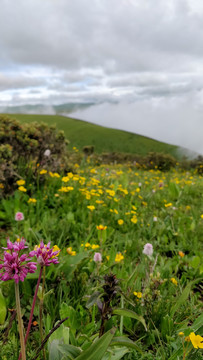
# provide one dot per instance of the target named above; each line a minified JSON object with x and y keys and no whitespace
{"x":130,"y":314}
{"x":98,"y":348}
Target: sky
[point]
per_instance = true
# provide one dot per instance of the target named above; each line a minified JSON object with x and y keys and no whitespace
{"x":140,"y":61}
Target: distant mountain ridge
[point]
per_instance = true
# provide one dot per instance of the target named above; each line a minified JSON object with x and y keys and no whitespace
{"x":38,"y":109}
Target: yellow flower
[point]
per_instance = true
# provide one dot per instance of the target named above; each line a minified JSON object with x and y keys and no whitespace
{"x":101,"y":227}
{"x":70,"y":252}
{"x":181,"y":333}
{"x":43,"y":171}
{"x":196,"y":340}
{"x":174,"y":281}
{"x":201,"y":216}
{"x":20,"y":182}
{"x":1,"y":186}
{"x":32,"y":200}
{"x":120,"y":222}
{"x":181,"y":254}
{"x":65,"y":179}
{"x":108,"y":257}
{"x":91,"y":207}
{"x":119,"y":257}
{"x":168,"y":205}
{"x":87,"y":245}
{"x":134,"y":219}
{"x":138,"y":294}
{"x":21,"y":188}
{"x":56,"y":248}
{"x":94,"y":246}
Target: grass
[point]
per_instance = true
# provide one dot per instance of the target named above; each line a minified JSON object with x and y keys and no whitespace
{"x":160,"y":293}
{"x":81,"y":133}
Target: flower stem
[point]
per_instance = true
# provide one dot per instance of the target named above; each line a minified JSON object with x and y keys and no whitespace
{"x":20,"y":323}
{"x":32,"y":309}
{"x":41,"y":311}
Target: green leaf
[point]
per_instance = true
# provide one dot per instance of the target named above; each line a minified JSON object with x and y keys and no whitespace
{"x":183,"y":297}
{"x":69,"y":350}
{"x":98,"y":348}
{"x":195,"y":262}
{"x":72,"y":322}
{"x":3,"y":310}
{"x":115,"y":354}
{"x":131,"y":314}
{"x":124,"y":341}
{"x":93,"y":299}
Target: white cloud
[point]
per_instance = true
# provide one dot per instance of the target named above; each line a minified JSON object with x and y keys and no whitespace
{"x":129,"y":51}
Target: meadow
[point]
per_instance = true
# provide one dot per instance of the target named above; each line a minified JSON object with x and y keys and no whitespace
{"x":81,"y":133}
{"x":127,"y":269}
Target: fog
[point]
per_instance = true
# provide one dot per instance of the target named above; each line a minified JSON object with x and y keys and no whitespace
{"x":175,"y":122}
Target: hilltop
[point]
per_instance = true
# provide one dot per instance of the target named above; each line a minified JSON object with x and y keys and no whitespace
{"x":81,"y":133}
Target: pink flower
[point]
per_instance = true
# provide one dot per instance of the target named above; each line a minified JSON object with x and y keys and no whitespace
{"x":15,"y":266}
{"x":97,"y":257}
{"x":148,"y":249}
{"x":45,"y":255}
{"x":19,"y":216}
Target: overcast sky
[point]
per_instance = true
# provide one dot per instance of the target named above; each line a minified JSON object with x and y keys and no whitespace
{"x":146,"y":56}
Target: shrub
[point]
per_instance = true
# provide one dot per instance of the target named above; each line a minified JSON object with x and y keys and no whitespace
{"x":160,"y":161}
{"x":34,"y":144}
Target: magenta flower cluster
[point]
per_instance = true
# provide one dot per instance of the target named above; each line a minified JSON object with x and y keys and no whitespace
{"x":16,"y":266}
{"x":45,"y":255}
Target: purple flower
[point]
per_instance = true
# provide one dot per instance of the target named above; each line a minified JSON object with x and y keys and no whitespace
{"x":97,"y":257}
{"x":15,"y":266}
{"x":45,"y":255}
{"x":148,"y":249}
{"x":19,"y":216}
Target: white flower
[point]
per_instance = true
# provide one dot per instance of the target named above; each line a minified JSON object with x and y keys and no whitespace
{"x":97,"y":257}
{"x":148,"y":249}
{"x":47,"y":153}
{"x":155,"y":218}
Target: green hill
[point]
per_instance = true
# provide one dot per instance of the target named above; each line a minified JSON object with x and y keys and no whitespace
{"x":81,"y":133}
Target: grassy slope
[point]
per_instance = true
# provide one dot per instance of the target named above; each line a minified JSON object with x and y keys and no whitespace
{"x":81,"y":133}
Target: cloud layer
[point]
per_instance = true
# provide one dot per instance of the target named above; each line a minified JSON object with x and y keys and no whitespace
{"x":126,"y":51}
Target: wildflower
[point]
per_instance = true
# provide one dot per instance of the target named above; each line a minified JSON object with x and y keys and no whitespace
{"x":196,"y":340}
{"x":1,"y":186}
{"x":138,"y":294}
{"x":201,"y":216}
{"x":174,"y":281}
{"x":120,"y":222}
{"x":119,"y":257}
{"x":32,"y":200}
{"x":148,"y":249}
{"x":168,"y":205}
{"x":19,"y":216}
{"x":91,"y":207}
{"x":56,"y":248}
{"x":107,"y":257}
{"x":97,"y":257}
{"x":15,"y":266}
{"x":65,"y":179}
{"x":70,"y":252}
{"x":134,"y":219}
{"x":181,"y":254}
{"x":101,"y":227}
{"x":155,"y":218}
{"x":87,"y":245}
{"x":45,"y":255}
{"x":181,"y":333}
{"x":43,"y":171}
{"x":35,"y":323}
{"x":20,"y":182}
{"x":22,"y":188}
{"x":94,"y":246}
{"x":47,"y":153}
